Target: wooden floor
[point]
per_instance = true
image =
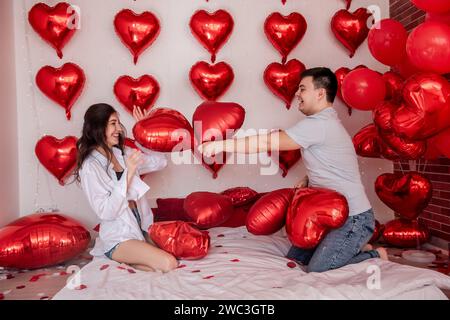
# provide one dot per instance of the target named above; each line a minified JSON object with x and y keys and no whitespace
{"x":43,"y":284}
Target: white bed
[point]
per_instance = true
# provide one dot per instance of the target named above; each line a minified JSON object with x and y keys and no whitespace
{"x":241,"y":266}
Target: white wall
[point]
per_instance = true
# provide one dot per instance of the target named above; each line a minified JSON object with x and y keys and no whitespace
{"x":99,"y":52}
{"x":9,"y":184}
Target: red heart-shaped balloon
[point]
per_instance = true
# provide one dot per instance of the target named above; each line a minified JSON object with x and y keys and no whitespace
{"x":405,"y":148}
{"x":268,"y":214}
{"x":378,"y":231}
{"x":284,"y":79}
{"x":137,"y":31}
{"x":59,"y":157}
{"x":426,"y":111}
{"x":405,"y":233}
{"x":180,"y":239}
{"x":62,"y":85}
{"x":351,"y":28}
{"x":212,"y":30}
{"x":341,"y":73}
{"x":211,"y":81}
{"x":42,"y":240}
{"x":241,"y":196}
{"x":164,"y":130}
{"x":408,"y":194}
{"x":394,"y":86}
{"x":56,"y":25}
{"x":312,"y":213}
{"x":141,"y":92}
{"x":285,"y":32}
{"x":217,"y":120}
{"x":207,"y":209}
{"x":369,"y":144}
{"x":286,"y":159}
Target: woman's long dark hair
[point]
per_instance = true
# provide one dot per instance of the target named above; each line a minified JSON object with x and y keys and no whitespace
{"x":93,"y":135}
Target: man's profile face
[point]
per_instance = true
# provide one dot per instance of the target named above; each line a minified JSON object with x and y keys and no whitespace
{"x":307,"y":96}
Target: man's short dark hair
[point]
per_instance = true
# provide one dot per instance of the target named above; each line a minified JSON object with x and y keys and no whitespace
{"x":323,"y":78}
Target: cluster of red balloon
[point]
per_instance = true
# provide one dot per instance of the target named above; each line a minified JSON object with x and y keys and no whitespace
{"x":167,"y":130}
{"x":41,"y":240}
{"x":408,"y":195}
{"x":284,"y":33}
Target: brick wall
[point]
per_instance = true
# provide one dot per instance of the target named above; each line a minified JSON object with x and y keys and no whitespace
{"x":437,"y":215}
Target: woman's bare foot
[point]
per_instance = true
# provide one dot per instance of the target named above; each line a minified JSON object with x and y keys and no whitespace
{"x":367,"y":247}
{"x":383,"y":253}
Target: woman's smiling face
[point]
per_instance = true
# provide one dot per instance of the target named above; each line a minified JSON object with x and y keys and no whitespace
{"x":113,"y":130}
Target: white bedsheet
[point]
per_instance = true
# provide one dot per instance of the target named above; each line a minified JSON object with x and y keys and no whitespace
{"x":241,"y":266}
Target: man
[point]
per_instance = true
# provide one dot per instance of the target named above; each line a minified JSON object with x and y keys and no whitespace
{"x":331,"y":162}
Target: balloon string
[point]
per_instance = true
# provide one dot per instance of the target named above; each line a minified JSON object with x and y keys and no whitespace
{"x":38,"y":123}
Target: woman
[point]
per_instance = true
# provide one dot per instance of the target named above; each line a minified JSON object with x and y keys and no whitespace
{"x":109,"y":176}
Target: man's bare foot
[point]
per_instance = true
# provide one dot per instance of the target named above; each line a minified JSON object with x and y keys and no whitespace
{"x":367,"y":247}
{"x":383,"y":253}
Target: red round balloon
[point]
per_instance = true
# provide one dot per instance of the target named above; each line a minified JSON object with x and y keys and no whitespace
{"x":394,"y":86}
{"x":427,"y":107}
{"x":268,"y":214}
{"x":438,"y":17}
{"x":407,"y":194}
{"x":141,"y":93}
{"x":341,"y":73}
{"x":405,"y":233}
{"x":284,"y":79}
{"x":58,"y":156}
{"x":351,"y":28}
{"x":363,"y":89}
{"x":428,"y":47}
{"x":212,"y":30}
{"x":207,"y":209}
{"x":387,"y":41}
{"x":42,"y":240}
{"x":164,"y":130}
{"x":312,"y":213}
{"x":62,"y":85}
{"x":180,"y":239}
{"x":434,"y":6}
{"x":56,"y":25}
{"x":285,"y":32}
{"x":211,"y":81}
{"x":136,"y":31}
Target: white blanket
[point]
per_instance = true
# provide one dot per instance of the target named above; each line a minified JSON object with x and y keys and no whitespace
{"x":241,"y":266}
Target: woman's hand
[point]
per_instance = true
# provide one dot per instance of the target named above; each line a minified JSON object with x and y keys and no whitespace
{"x":302,"y":183}
{"x":139,"y":115}
{"x":132,"y":162}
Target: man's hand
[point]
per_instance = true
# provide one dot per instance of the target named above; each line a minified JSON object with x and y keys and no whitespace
{"x":139,"y":115}
{"x":302,"y":183}
{"x":210,"y":149}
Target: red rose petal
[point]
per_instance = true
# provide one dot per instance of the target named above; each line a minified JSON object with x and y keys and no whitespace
{"x":37,"y":277}
{"x":121,"y":268}
{"x":9,"y":276}
{"x":235,"y":260}
{"x":226,"y":252}
{"x":219,"y":246}
{"x":63,"y":273}
{"x":181,"y":266}
{"x":131,"y":271}
{"x":82,"y":287}
{"x":2,"y":296}
{"x":20,"y":287}
{"x":44,"y":298}
{"x":195,"y":271}
{"x":291,"y":264}
{"x":208,"y":277}
{"x":220,"y":236}
{"x":104,"y":267}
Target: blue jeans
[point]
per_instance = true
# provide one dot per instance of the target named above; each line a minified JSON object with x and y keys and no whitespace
{"x":341,"y":246}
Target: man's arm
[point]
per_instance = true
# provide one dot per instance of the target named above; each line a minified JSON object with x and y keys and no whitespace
{"x":275,"y":141}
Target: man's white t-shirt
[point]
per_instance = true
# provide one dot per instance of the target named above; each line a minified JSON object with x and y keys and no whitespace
{"x":330,"y":158}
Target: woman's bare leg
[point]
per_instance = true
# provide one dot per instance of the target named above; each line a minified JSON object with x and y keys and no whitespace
{"x":142,"y":268}
{"x":135,"y":252}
